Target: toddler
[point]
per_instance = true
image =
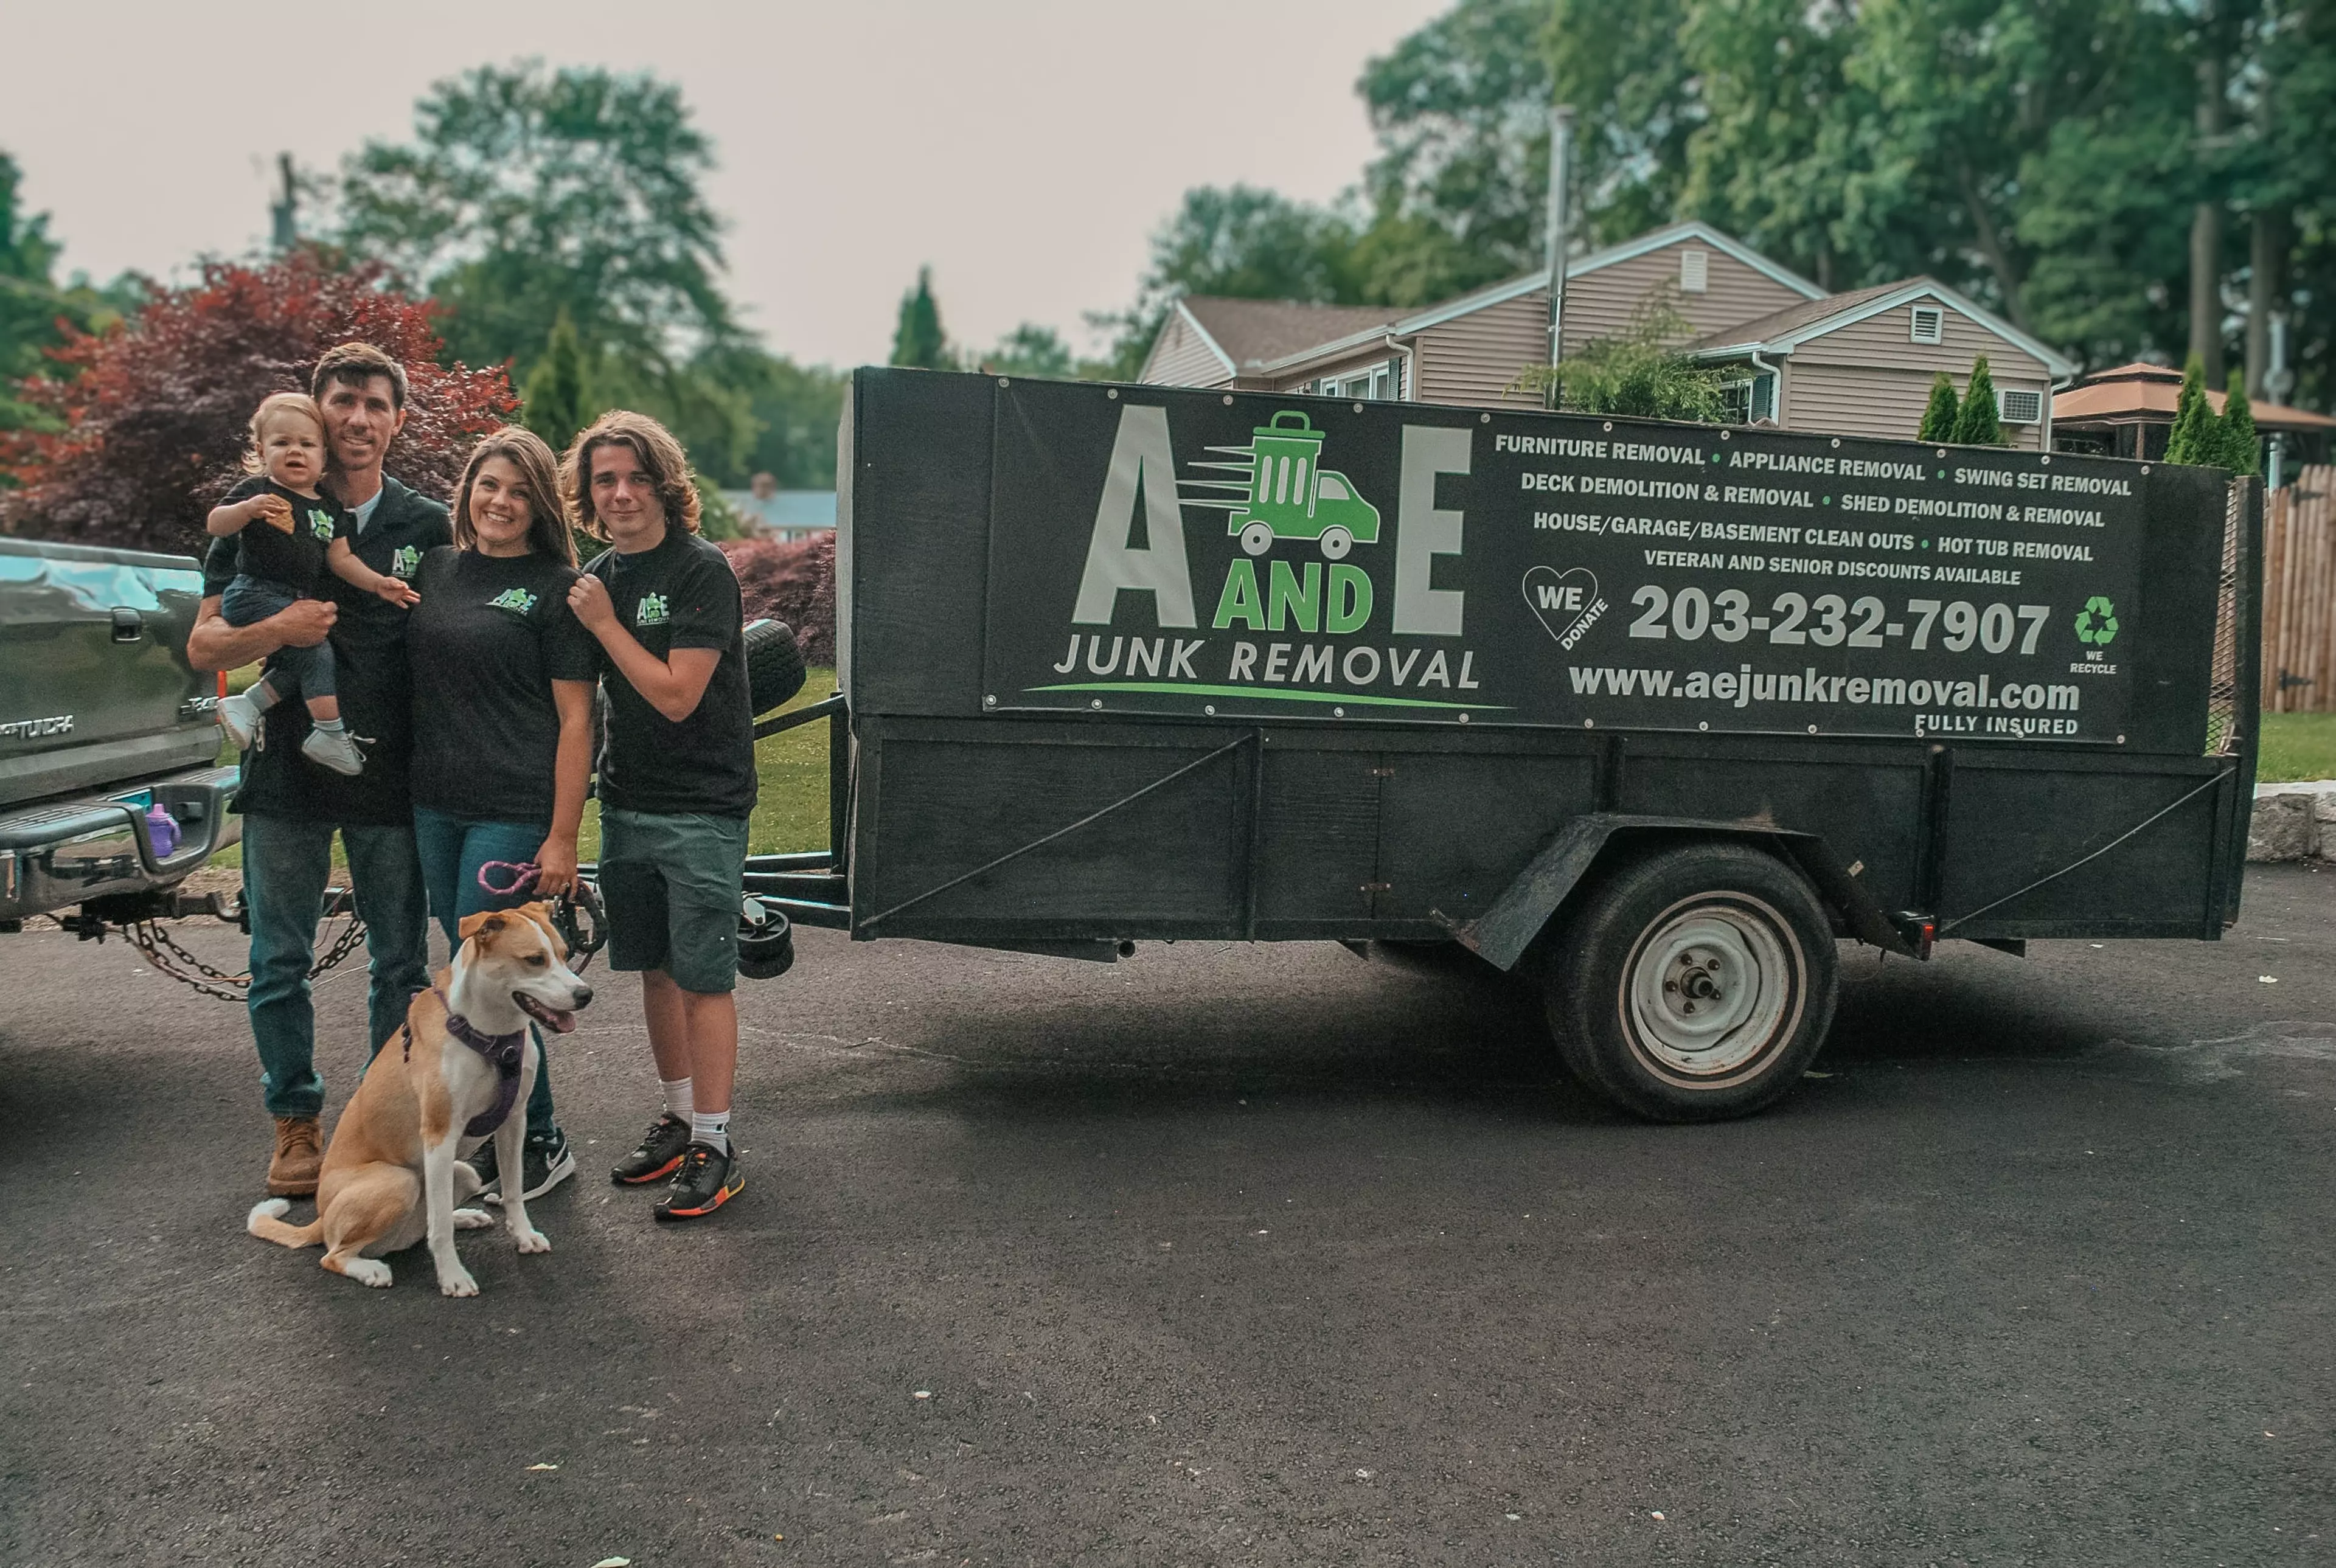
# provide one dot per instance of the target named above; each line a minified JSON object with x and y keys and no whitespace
{"x":300,"y":533}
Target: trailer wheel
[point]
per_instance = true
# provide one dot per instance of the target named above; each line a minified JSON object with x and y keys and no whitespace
{"x":774,"y":665}
{"x":1257,"y":538}
{"x":1336,"y":542}
{"x":1695,"y":985}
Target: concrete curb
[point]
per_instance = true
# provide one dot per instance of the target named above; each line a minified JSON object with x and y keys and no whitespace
{"x":2293,"y":822}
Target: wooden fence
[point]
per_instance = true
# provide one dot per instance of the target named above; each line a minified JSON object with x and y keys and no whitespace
{"x":2299,"y":602}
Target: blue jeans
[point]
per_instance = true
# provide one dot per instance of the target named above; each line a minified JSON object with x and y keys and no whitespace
{"x":452,"y":852}
{"x":292,"y":672}
{"x":287,"y":862}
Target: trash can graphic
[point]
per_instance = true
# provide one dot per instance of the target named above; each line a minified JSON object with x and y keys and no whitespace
{"x":1291,"y":495}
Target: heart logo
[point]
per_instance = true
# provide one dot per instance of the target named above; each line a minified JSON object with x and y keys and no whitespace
{"x":1566,"y":603}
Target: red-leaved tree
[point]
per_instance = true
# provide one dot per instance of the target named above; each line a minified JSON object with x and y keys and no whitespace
{"x":793,"y":582}
{"x":155,"y":414}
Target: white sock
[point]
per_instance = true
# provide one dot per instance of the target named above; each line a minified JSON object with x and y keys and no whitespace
{"x":677,"y":1104}
{"x":329,"y":725}
{"x":711,"y":1128}
{"x":260,"y":694}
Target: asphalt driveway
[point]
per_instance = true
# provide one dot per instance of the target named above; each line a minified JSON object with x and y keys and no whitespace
{"x":1224,"y":1254}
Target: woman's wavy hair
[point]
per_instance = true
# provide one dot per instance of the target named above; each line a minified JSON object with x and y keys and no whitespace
{"x":538,"y":481}
{"x":274,"y":403}
{"x":660,"y":457}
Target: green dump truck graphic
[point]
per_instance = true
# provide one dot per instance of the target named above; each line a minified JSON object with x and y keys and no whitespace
{"x":1287,"y":493}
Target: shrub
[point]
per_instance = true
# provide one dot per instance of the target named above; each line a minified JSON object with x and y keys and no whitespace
{"x":151,"y":416}
{"x":1976,"y":423}
{"x":794,"y":582}
{"x":1938,"y":418}
{"x":2241,"y":450}
{"x":2196,"y":437}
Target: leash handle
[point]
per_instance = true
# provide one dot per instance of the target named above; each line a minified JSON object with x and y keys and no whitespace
{"x":523,"y":874}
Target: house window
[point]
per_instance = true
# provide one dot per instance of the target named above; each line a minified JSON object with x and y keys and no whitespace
{"x":1381,"y":383}
{"x":1736,"y":403}
{"x":1929,"y":323}
{"x":1695,"y":272}
{"x":2018,"y":407}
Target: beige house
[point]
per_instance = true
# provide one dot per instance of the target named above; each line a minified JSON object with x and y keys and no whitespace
{"x":1862,"y":364}
{"x":1853,"y":363}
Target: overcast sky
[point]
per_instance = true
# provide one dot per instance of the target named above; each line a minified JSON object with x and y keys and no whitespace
{"x":1025,"y":148}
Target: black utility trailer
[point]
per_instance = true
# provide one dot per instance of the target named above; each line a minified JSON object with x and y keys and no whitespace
{"x":1648,"y":713}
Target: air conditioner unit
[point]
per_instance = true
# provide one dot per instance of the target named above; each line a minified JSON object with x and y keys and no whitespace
{"x":2018,"y":407}
{"x":1929,"y":324}
{"x":1695,"y":272}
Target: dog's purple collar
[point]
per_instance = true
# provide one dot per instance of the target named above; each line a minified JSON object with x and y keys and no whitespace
{"x":505,"y":1051}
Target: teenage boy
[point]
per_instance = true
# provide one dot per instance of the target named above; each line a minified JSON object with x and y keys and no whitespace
{"x":290,"y":806}
{"x":676,"y":783}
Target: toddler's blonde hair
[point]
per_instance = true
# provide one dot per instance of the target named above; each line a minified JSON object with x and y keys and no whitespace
{"x":277,"y":402}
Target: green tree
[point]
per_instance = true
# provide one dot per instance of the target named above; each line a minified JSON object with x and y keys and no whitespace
{"x":1242,"y":243}
{"x":33,"y":304}
{"x":918,"y":340}
{"x":556,"y":398}
{"x":2197,"y":435}
{"x":527,"y":191}
{"x":1031,"y":349}
{"x":1938,"y":418}
{"x":2241,"y":450}
{"x":1638,"y":372}
{"x":1976,"y":422}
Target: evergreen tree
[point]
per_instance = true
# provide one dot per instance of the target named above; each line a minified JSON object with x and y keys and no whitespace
{"x":1976,"y":423}
{"x":2242,"y":451}
{"x":918,"y":340}
{"x":557,"y":402}
{"x":2198,"y":435}
{"x":1938,"y":418}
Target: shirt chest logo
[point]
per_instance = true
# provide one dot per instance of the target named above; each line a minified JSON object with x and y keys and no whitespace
{"x":513,"y":598}
{"x":652,"y":611}
{"x":320,"y":524}
{"x":405,"y":560}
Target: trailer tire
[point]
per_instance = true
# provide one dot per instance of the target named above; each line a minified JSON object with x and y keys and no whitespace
{"x":774,"y":665}
{"x":1695,"y":984}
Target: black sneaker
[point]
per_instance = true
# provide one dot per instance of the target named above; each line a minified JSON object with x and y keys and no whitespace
{"x":659,"y":1153}
{"x":708,"y":1179}
{"x":547,"y":1162}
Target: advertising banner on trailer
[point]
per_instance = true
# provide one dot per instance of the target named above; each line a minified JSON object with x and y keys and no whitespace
{"x":1158,"y":550}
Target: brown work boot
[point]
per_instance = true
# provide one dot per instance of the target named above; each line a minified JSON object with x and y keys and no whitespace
{"x":299,"y":1153}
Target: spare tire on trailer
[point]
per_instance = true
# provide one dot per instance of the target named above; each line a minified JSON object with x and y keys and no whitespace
{"x":1695,"y":983}
{"x":774,"y":665}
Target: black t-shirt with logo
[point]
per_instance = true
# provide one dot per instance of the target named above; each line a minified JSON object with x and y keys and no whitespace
{"x":295,"y":559}
{"x":489,"y":637}
{"x":682,"y":594}
{"x":369,"y":667}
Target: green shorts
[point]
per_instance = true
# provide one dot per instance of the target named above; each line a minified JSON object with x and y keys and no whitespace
{"x":673,"y":885}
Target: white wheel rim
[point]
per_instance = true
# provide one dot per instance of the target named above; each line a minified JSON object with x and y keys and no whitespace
{"x":1713,"y":987}
{"x":1257,"y":539}
{"x":1336,"y":543}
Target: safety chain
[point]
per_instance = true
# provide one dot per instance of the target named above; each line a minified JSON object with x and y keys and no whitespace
{"x":162,"y":950}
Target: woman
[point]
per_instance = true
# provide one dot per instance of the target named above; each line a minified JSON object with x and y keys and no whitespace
{"x":503,"y":717}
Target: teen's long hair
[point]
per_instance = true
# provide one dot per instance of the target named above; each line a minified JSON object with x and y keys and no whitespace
{"x":538,"y":481}
{"x":660,"y":457}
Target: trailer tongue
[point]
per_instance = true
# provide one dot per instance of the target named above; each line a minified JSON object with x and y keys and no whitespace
{"x":1651,"y":714}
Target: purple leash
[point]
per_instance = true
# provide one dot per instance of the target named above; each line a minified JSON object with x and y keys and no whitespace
{"x":523,"y":876}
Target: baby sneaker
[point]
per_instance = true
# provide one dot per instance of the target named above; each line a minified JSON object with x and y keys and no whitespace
{"x":333,"y":749}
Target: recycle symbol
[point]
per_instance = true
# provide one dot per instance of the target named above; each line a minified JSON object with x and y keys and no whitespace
{"x":2097,"y":623}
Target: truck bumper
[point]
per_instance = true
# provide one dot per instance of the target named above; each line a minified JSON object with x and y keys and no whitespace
{"x":64,"y":853}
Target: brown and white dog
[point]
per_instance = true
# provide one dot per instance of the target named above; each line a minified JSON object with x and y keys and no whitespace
{"x":393,"y":1171}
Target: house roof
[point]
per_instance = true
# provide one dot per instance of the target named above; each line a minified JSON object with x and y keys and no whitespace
{"x":1261,"y":335}
{"x":1785,"y":330}
{"x":2148,"y":394}
{"x":1254,"y":332}
{"x":1763,"y":329}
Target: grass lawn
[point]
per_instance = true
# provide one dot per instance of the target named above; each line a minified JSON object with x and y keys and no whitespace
{"x":790,"y":812}
{"x":2296,"y":747}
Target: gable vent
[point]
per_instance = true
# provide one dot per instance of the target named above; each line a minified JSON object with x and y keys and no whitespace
{"x":1929,"y":323}
{"x":1695,"y":272}
{"x":2018,"y":407}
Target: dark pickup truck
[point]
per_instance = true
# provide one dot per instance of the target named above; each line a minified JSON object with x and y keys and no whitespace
{"x":110,"y":793}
